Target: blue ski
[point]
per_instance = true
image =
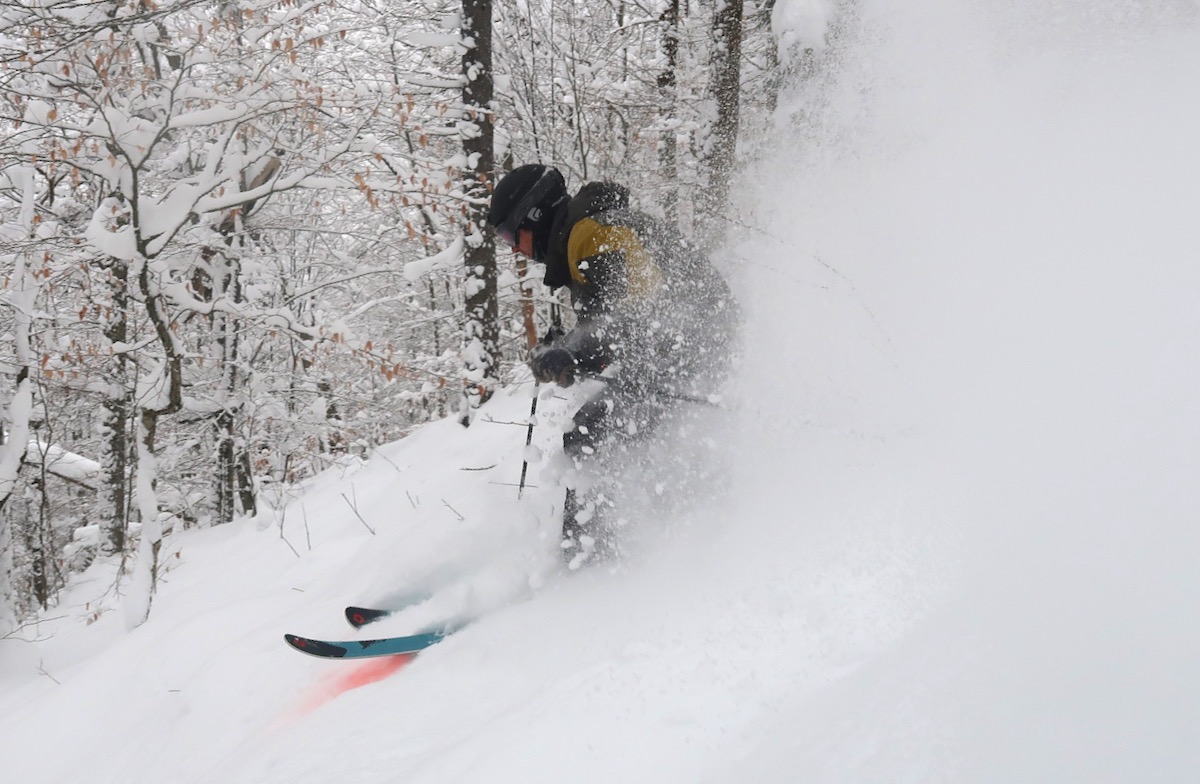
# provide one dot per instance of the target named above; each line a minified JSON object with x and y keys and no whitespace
{"x":363,"y":649}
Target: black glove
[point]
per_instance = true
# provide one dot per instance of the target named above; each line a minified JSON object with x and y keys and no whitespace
{"x":553,"y":365}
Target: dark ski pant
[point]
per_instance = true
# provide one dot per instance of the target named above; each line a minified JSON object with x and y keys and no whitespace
{"x":604,"y":430}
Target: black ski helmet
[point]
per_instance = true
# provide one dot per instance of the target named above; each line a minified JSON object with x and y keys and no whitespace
{"x":525,"y":198}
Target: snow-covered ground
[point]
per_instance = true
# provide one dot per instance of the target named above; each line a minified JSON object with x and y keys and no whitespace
{"x":959,"y":534}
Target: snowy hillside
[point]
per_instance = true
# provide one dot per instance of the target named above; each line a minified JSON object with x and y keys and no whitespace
{"x":956,"y":535}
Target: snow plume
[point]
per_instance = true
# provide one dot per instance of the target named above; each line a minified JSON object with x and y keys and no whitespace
{"x":978,"y":304}
{"x":802,"y":24}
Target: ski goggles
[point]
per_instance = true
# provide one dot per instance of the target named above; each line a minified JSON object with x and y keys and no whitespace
{"x":508,"y":234}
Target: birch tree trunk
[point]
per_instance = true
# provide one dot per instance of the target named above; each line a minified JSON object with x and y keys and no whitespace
{"x":20,"y":408}
{"x":22,"y":300}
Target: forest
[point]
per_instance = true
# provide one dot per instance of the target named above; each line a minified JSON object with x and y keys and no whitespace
{"x":244,"y":240}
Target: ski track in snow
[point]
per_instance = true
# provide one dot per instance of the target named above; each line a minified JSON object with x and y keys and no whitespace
{"x":954,"y":536}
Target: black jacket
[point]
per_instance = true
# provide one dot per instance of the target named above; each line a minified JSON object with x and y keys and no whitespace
{"x":644,"y":296}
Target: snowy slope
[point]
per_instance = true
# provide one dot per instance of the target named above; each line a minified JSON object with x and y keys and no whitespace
{"x":957,"y":537}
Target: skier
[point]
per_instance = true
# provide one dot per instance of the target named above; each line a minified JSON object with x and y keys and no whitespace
{"x":653,"y":319}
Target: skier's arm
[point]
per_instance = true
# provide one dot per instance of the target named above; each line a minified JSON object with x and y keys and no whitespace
{"x":617,"y":280}
{"x":558,"y":360}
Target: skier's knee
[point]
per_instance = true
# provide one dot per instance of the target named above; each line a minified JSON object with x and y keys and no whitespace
{"x":579,"y":444}
{"x":580,"y":441}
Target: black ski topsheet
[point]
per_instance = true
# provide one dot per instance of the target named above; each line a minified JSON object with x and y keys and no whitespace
{"x":325,"y":650}
{"x":359,"y":617}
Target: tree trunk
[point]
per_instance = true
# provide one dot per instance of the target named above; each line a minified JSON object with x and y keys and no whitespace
{"x":232,"y":458}
{"x":528,"y":312}
{"x":145,"y":581}
{"x":774,"y":68}
{"x":234,"y":485}
{"x":44,"y":576}
{"x":114,"y":458}
{"x":481,"y":339}
{"x":667,"y":82}
{"x":13,"y":449}
{"x":721,"y":145}
{"x":8,"y":594}
{"x":245,"y":483}
{"x":22,"y":300}
{"x":12,"y":453}
{"x":225,"y":424}
{"x":166,"y":399}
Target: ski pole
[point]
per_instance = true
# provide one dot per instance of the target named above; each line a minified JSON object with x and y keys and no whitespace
{"x":555,"y":331}
{"x":656,"y":391}
{"x":528,"y":439}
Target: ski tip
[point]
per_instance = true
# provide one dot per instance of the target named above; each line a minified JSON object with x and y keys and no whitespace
{"x":314,"y":647}
{"x":361,"y":616}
